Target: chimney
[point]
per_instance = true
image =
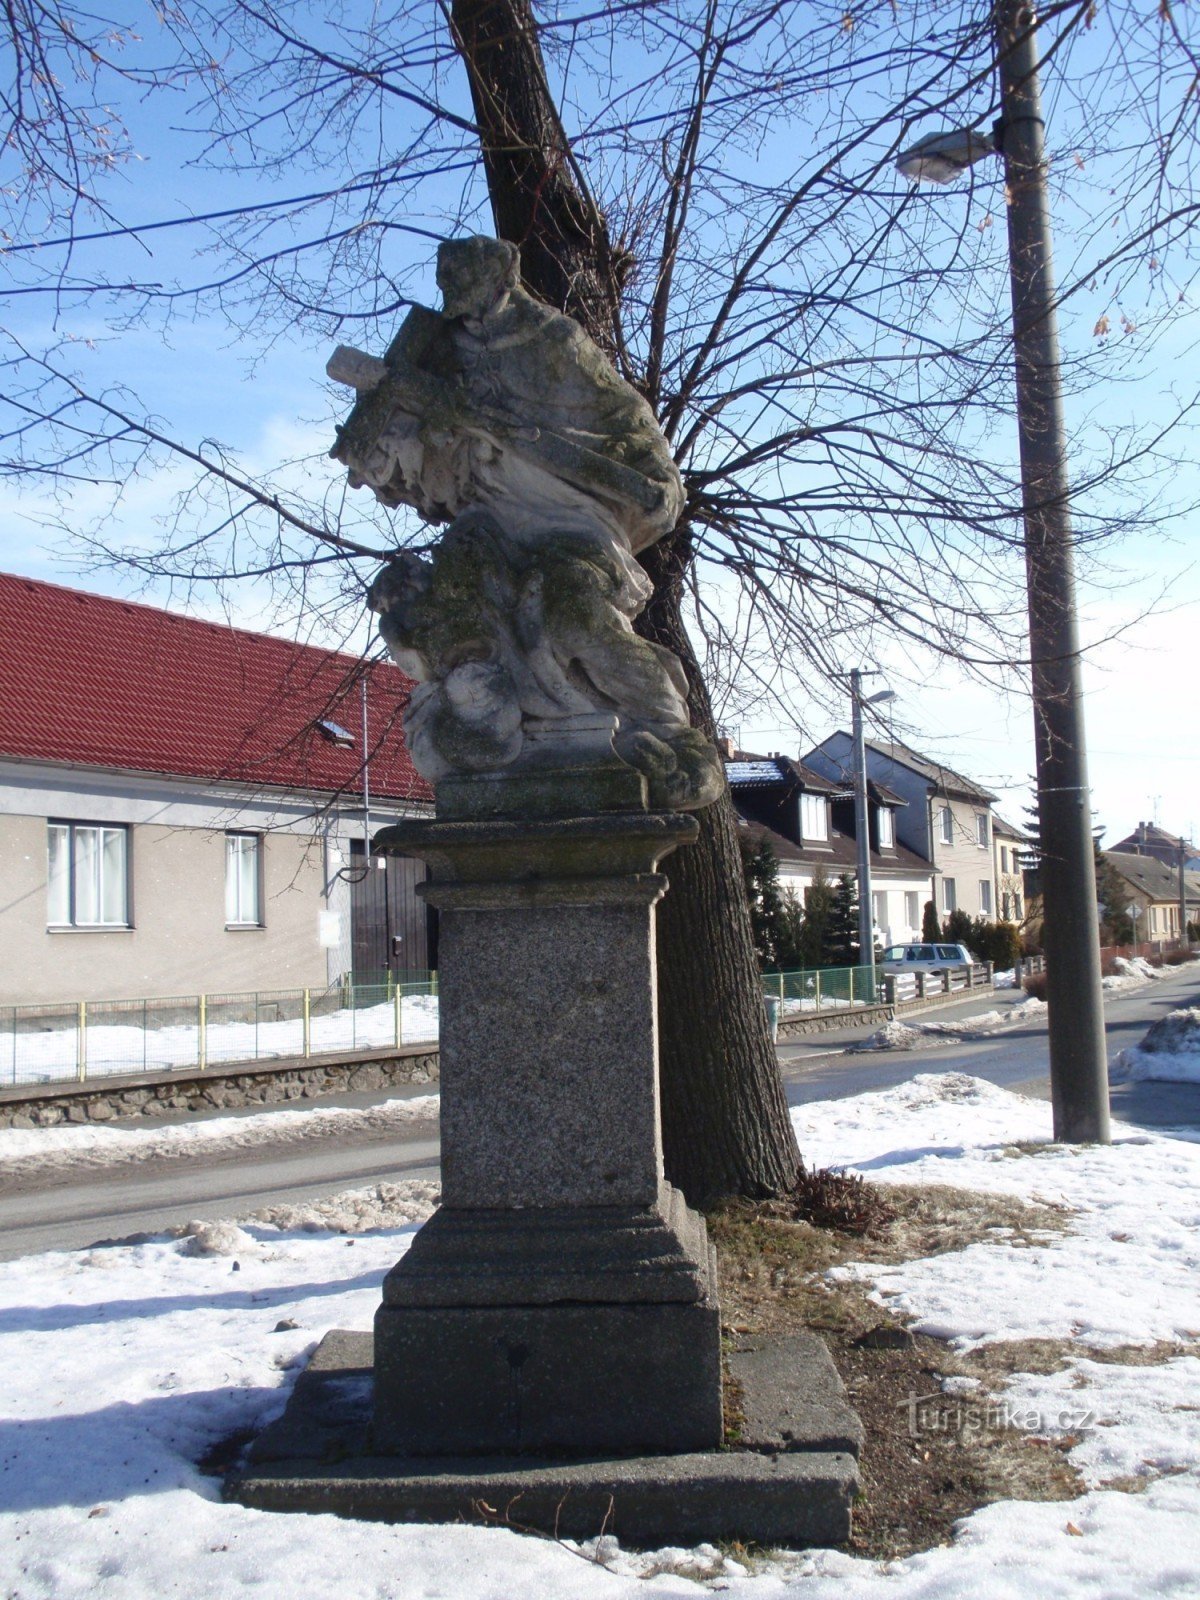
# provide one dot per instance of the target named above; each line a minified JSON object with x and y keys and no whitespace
{"x":726,"y":746}
{"x":1141,"y":837}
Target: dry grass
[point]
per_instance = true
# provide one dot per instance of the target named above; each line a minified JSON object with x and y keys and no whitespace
{"x":915,"y":1485}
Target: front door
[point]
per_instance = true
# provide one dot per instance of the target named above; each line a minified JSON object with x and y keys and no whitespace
{"x":392,"y":929}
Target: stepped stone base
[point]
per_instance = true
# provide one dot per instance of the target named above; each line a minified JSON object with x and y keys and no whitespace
{"x":532,"y":1330}
{"x":790,"y":1482}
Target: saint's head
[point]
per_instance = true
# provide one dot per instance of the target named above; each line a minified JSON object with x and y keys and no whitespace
{"x":476,"y":274}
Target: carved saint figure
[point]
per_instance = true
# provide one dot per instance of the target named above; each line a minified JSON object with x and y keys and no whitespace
{"x":500,"y":416}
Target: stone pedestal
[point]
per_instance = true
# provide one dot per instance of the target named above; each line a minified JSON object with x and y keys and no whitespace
{"x":563,"y":1299}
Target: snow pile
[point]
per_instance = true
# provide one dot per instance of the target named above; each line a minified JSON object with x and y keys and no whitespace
{"x":897,"y":1035}
{"x":1131,"y":973}
{"x":25,"y":1151}
{"x":218,"y":1239}
{"x":1170,"y":1052}
{"x":893,"y":1035}
{"x":385,"y":1205}
{"x":1005,"y":980}
{"x":120,"y":1367}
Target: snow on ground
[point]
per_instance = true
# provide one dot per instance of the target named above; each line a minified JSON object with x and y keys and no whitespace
{"x":28,"y":1056}
{"x":1132,"y":974}
{"x":897,"y":1035}
{"x":1170,"y":1052}
{"x":24,"y":1151}
{"x":120,"y":1366}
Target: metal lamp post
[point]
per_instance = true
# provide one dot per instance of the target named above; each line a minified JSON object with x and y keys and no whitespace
{"x":1078,"y":1057}
{"x":862,"y":821}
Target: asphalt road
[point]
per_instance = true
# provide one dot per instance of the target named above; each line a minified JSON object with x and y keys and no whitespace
{"x":99,"y":1206}
{"x":827,"y":1067}
{"x":96,"y":1206}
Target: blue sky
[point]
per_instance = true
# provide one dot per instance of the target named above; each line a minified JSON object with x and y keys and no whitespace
{"x":263,"y":392}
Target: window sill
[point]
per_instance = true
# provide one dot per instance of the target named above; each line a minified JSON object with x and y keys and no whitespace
{"x":90,"y":927}
{"x":245,"y":927}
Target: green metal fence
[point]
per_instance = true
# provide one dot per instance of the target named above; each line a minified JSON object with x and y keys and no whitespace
{"x":85,"y":1039}
{"x":823,"y":988}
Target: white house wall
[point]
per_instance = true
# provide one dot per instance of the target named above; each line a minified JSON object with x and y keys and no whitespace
{"x":896,"y":927}
{"x":178,"y":942}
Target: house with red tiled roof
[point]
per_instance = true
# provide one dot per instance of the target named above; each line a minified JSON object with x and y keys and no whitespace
{"x":183,"y":805}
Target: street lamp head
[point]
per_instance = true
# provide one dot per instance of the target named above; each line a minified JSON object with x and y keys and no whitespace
{"x":942,"y":157}
{"x":881,"y":697}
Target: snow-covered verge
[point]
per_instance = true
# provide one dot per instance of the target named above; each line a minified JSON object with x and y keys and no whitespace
{"x":24,"y":1151}
{"x":1170,"y":1052}
{"x":897,"y":1035}
{"x":119,"y":1367}
{"x":50,"y":1054}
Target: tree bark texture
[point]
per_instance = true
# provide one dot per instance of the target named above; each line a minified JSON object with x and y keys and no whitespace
{"x":726,"y":1128}
{"x":726,"y":1125}
{"x":538,"y":202}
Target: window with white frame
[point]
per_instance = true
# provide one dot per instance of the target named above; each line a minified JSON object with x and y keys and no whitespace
{"x":949,"y":894}
{"x":243,"y":860}
{"x":1003,"y":858}
{"x":947,"y":825}
{"x":87,"y":875}
{"x":912,"y":908}
{"x":981,"y":829}
{"x":985,"y":897}
{"x":887,"y":828}
{"x":814,"y":823}
{"x":879,"y":909}
{"x":1018,"y":911}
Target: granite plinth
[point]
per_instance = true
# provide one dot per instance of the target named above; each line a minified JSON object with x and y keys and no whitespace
{"x":320,"y":1456}
{"x":519,"y":1331}
{"x":548,"y":1255}
{"x":522,"y":1380}
{"x":564,"y":1296}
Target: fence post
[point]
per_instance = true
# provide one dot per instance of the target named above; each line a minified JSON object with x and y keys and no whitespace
{"x":81,"y":1042}
{"x":202,"y":1031}
{"x":398,"y":999}
{"x":307,"y":1026}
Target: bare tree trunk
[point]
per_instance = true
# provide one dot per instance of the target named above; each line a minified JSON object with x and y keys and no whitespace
{"x":726,"y":1128}
{"x":539,"y":201}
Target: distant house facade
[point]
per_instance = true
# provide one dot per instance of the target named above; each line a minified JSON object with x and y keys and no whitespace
{"x":944,"y":818}
{"x":808,"y":821}
{"x":1010,"y":846}
{"x":1153,"y":887}
{"x":183,"y":806}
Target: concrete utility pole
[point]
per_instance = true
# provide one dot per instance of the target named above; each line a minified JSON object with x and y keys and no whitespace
{"x":1183,"y":917}
{"x":862,"y":826}
{"x":1078,"y":1057}
{"x":862,"y":816}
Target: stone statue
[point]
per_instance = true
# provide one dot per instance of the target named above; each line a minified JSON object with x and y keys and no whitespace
{"x":501,"y":417}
